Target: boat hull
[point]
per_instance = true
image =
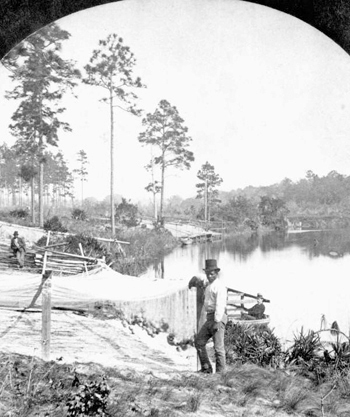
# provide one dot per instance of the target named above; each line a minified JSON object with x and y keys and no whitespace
{"x":186,"y":241}
{"x":249,"y":322}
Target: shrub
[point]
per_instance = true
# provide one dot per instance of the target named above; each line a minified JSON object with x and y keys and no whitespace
{"x":92,"y":247}
{"x":19,"y":213}
{"x":90,"y":400}
{"x":79,"y":214}
{"x":146,"y":247}
{"x":251,"y":223}
{"x":107,"y":310}
{"x":252,"y":344}
{"x":127,"y":213}
{"x":54,"y":224}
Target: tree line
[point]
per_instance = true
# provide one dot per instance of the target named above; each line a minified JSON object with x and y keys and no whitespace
{"x":312,"y":196}
{"x":17,"y":178}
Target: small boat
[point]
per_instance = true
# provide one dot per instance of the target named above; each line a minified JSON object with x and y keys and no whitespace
{"x":335,"y":254}
{"x":186,"y":241}
{"x":244,"y":322}
{"x":236,"y":301}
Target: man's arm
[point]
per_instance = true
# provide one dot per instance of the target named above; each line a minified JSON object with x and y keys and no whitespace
{"x":198,"y":282}
{"x":22,"y":243}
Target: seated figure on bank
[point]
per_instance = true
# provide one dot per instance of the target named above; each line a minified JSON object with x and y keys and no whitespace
{"x":257,"y":311}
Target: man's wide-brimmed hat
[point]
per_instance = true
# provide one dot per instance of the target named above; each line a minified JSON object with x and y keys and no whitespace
{"x":15,"y":233}
{"x":211,"y":265}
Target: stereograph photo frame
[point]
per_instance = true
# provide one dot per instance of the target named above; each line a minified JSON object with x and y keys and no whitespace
{"x":308,"y":22}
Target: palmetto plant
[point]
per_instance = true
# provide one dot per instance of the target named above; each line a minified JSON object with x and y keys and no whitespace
{"x":304,"y":348}
{"x":252,"y":344}
{"x":341,"y":355}
{"x":317,"y":361}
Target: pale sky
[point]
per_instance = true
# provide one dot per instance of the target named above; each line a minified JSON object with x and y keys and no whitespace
{"x":264,"y":95}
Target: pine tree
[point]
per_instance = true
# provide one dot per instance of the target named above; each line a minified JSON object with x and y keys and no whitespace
{"x":165,"y":130}
{"x":41,"y":77}
{"x":111,"y":68}
{"x":206,"y":189}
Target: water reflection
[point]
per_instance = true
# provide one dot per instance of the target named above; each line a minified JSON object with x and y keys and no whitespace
{"x":158,"y":268}
{"x":326,"y":243}
{"x":315,"y":243}
{"x":330,"y":243}
{"x":304,"y":274}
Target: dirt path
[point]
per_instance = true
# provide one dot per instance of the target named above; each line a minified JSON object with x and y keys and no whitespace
{"x":78,"y":338}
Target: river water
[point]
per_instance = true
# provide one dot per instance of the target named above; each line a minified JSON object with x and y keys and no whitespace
{"x":304,"y":274}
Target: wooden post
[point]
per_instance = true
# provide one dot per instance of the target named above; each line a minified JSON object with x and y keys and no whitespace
{"x":81,"y":249}
{"x":206,"y":201}
{"x":242,"y":299}
{"x":44,"y":263}
{"x":201,"y":316}
{"x":48,"y":238}
{"x":46,"y":315}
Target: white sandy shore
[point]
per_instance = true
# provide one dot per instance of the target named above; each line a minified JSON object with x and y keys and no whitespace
{"x":77,"y":338}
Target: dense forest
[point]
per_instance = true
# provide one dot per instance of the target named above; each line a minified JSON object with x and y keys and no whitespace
{"x":313,"y":196}
{"x":17,"y":175}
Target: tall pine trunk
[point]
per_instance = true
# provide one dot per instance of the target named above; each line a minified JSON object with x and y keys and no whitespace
{"x":82,"y":192}
{"x":13,"y":192}
{"x":41,"y":193}
{"x":154,"y":202}
{"x":162,"y":189}
{"x":32,"y":199}
{"x":112,"y":160}
{"x":20,"y":196}
{"x":154,"y":191}
{"x":41,"y":166}
{"x":206,"y":201}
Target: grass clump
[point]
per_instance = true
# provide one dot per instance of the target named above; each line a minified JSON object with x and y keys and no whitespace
{"x":293,"y":397}
{"x":194,"y":402}
{"x":32,"y":387}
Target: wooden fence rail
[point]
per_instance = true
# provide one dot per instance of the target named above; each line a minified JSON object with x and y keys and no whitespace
{"x":236,"y":301}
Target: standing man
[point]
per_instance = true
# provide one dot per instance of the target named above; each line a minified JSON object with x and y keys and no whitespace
{"x":18,"y":247}
{"x":215,"y":299}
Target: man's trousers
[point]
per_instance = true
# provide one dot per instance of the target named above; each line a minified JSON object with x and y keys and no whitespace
{"x":205,"y":333}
